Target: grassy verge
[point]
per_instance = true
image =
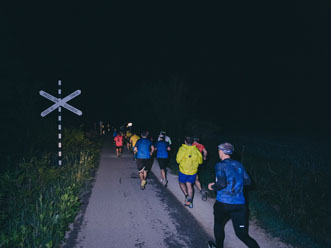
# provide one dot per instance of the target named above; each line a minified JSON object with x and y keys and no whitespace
{"x":39,"y":199}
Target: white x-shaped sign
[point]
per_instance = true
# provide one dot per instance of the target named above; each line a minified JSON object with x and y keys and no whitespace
{"x":60,"y":103}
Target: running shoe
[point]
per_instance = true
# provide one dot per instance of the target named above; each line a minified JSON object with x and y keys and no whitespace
{"x":189,"y":203}
{"x":211,"y":244}
{"x":142,"y":185}
{"x":165,"y":182}
{"x":204,"y":195}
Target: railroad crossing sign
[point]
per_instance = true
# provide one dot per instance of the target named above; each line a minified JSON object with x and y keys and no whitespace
{"x":58,"y":102}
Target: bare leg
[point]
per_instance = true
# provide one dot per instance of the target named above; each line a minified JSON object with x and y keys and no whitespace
{"x":189,"y":189}
{"x":141,"y":175}
{"x":197,"y":183}
{"x":183,"y":188}
{"x":163,"y":176}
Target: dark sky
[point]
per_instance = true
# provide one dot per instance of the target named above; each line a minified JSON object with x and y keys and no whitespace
{"x":260,"y":61}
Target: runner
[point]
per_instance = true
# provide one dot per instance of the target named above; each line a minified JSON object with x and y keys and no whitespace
{"x":114,"y":132}
{"x":188,"y":158}
{"x":127,"y":139}
{"x":162,"y":147}
{"x":119,"y":144}
{"x":133,"y":140}
{"x":144,"y":149}
{"x":230,"y":201}
{"x":167,"y":138}
{"x":114,"y":135}
{"x":203,"y":151}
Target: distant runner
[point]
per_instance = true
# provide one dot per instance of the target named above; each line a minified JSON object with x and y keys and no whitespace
{"x":114,"y":134}
{"x":188,"y":158}
{"x":231,"y":178}
{"x":203,"y":151}
{"x":133,"y":140}
{"x":166,"y":138}
{"x":144,"y":149}
{"x":162,"y":147}
{"x":119,"y":144}
{"x":128,"y":135}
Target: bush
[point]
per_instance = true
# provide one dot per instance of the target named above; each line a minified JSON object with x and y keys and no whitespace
{"x":39,"y":200}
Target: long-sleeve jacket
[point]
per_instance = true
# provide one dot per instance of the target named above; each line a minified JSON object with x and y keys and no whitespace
{"x":231,"y":178}
{"x":189,"y":158}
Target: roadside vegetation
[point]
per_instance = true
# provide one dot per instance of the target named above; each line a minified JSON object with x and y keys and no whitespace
{"x":290,"y":196}
{"x":38,"y":199}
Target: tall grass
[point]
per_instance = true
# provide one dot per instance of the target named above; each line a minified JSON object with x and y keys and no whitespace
{"x":292,"y":181}
{"x":39,"y":199}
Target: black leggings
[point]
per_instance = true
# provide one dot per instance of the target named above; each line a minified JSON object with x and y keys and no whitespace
{"x":237,"y":212}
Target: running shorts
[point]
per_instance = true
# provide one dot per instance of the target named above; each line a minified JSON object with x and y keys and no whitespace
{"x":144,"y":164}
{"x":163,"y":162}
{"x":151,"y":161}
{"x":183,"y":178}
{"x":118,"y":147}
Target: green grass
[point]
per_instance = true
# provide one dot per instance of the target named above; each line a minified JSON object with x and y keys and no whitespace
{"x":39,"y":199}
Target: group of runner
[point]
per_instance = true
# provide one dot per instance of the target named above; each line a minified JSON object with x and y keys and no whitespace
{"x":143,"y":149}
{"x":231,"y":178}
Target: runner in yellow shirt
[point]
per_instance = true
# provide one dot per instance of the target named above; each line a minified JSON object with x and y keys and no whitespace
{"x":133,"y":140}
{"x":127,"y":139}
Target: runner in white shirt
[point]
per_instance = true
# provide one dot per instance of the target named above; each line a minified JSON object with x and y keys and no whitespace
{"x":166,"y":138}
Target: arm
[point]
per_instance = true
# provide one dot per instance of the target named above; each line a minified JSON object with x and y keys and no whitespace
{"x":204,"y":153}
{"x":199,"y":156}
{"x":179,"y":156}
{"x":135,"y":149}
{"x":152,"y":149}
{"x":220,"y":179}
{"x":220,"y":183}
{"x":247,"y":179}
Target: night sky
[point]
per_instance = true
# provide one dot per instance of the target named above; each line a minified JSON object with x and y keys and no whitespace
{"x":246,"y":63}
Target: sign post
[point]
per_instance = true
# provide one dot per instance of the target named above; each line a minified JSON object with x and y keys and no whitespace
{"x":58,"y":104}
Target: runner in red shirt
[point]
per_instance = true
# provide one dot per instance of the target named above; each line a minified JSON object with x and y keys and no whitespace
{"x":119,"y":144}
{"x":203,"y":151}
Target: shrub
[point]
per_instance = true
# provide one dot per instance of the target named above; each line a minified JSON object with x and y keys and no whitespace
{"x":39,"y":200}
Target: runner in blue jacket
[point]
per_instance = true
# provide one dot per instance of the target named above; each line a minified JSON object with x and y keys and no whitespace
{"x":231,"y":178}
{"x":162,"y":147}
{"x":144,"y":149}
